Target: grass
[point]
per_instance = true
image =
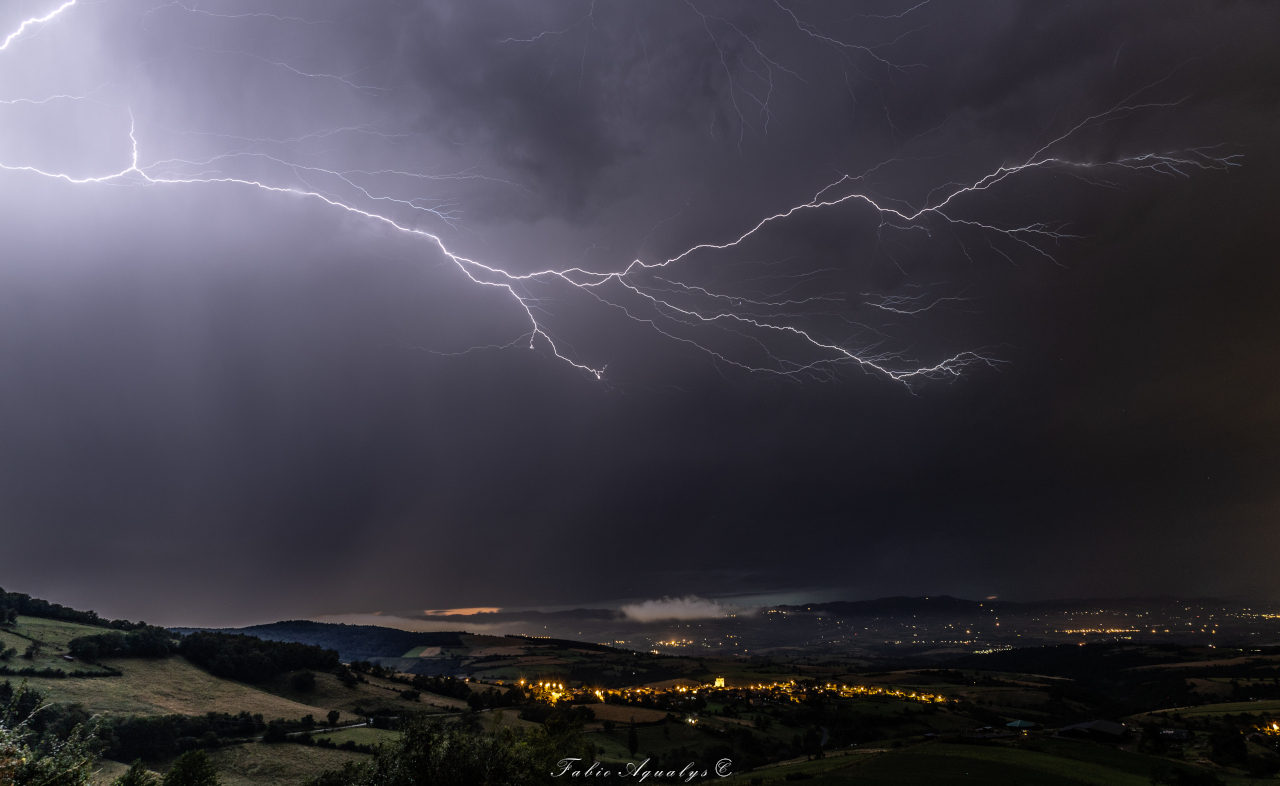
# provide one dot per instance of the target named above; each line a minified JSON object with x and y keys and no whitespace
{"x":362,"y":735}
{"x":171,"y":686}
{"x":621,"y":713}
{"x":1039,"y":762}
{"x":957,"y":765}
{"x":330,"y":693}
{"x":53,"y":636}
{"x":1237,"y":707}
{"x":285,"y":764}
{"x":107,"y":771}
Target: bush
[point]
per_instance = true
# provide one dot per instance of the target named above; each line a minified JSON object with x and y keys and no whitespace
{"x":450,"y":686}
{"x":159,"y":737}
{"x":52,"y":758}
{"x":192,"y":769}
{"x":137,"y":775}
{"x":275,"y":732}
{"x":455,"y":755}
{"x":303,"y":681}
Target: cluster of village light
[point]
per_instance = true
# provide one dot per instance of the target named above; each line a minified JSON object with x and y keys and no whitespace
{"x":554,"y":692}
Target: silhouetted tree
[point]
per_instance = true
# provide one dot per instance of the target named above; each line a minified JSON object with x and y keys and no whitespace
{"x":192,"y":768}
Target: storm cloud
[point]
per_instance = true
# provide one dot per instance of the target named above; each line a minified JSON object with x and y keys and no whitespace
{"x":232,"y":390}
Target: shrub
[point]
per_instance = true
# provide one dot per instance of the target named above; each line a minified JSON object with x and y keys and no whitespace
{"x":456,"y":755}
{"x":275,"y":732}
{"x":137,"y":775}
{"x":192,"y":768}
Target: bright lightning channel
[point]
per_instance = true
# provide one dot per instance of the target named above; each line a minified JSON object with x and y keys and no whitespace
{"x":753,"y":318}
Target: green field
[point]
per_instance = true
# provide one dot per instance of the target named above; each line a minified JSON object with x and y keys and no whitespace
{"x":1235,"y":708}
{"x":171,"y":686}
{"x":286,"y":764}
{"x":361,"y":735}
{"x":1050,"y":763}
{"x":53,"y":637}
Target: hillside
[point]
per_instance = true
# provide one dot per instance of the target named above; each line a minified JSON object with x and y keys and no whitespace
{"x":353,"y":642}
{"x":833,"y":720}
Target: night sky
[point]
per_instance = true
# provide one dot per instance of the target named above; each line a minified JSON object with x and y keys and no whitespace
{"x":243,"y":380}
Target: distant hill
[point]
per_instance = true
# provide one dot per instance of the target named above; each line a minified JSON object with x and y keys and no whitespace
{"x":946,"y":605}
{"x":353,"y":642}
{"x":933,"y":605}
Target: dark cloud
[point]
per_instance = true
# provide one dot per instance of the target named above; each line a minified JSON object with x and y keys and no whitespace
{"x":221,"y":404}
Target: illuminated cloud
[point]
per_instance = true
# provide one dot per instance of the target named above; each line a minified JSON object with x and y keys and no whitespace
{"x":690,"y":607}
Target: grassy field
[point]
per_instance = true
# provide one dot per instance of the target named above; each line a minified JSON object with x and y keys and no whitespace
{"x":286,"y":764}
{"x":372,"y":695}
{"x":621,"y":713}
{"x":107,"y":771}
{"x":253,"y":764}
{"x":362,"y":735}
{"x":1033,"y":763}
{"x":53,"y":637}
{"x":1235,"y":708}
{"x":171,"y":686}
{"x":971,"y":765}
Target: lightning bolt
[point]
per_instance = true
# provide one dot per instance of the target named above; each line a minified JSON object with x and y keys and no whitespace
{"x":772,"y":322}
{"x":39,"y":20}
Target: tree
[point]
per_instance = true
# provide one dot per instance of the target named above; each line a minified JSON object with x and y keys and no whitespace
{"x":346,"y":676}
{"x":137,"y":775}
{"x":275,"y":732}
{"x":192,"y":768}
{"x":333,"y":717}
{"x":32,"y":650}
{"x":633,"y":739}
{"x":303,"y":681}
{"x":50,"y":760}
{"x":456,"y":754}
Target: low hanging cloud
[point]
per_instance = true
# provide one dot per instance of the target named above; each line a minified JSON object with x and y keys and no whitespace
{"x":690,"y":607}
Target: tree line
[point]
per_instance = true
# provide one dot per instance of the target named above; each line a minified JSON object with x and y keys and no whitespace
{"x":250,"y":659}
{"x":13,"y":604}
{"x":146,"y":642}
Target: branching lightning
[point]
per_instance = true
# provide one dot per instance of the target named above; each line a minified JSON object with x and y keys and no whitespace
{"x":762,"y":325}
{"x":34,"y":22}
